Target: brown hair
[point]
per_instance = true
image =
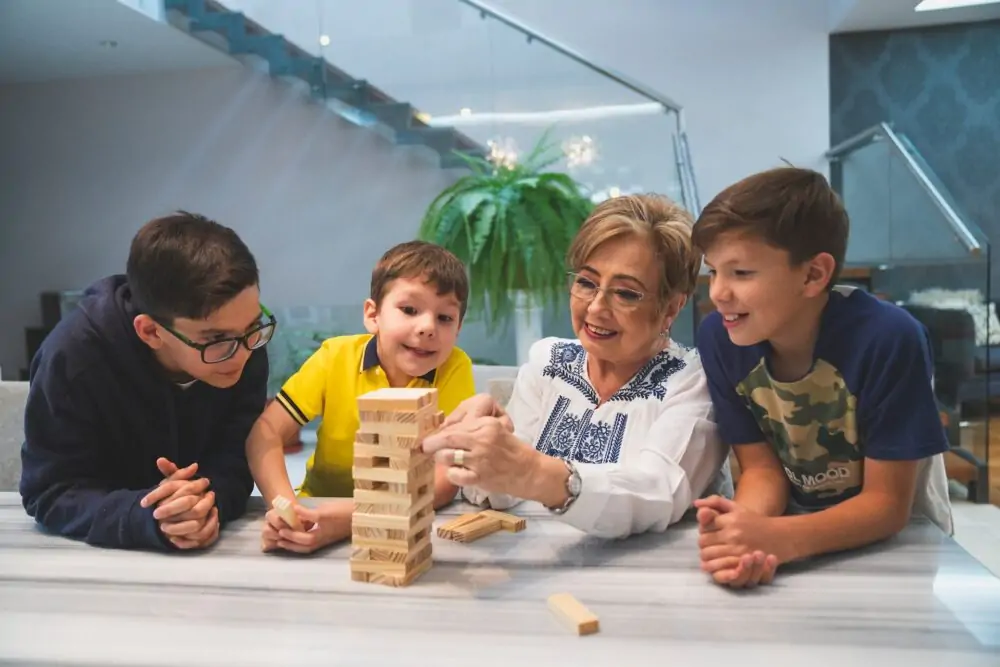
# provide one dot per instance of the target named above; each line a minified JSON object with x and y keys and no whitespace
{"x":185,"y":265}
{"x":789,"y":208}
{"x":665,"y":223}
{"x":419,"y":259}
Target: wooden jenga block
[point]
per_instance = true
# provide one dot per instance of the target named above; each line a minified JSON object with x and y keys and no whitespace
{"x":393,"y":486}
{"x":283,"y":506}
{"x":573,"y":614}
{"x":509,"y":522}
{"x":469,"y":527}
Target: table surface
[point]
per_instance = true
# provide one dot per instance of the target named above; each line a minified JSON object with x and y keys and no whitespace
{"x":918,"y":599}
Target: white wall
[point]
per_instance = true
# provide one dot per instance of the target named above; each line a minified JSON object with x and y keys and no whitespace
{"x":86,"y":162}
{"x":753,"y":77}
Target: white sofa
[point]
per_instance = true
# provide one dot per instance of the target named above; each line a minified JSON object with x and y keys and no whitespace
{"x":13,"y":397}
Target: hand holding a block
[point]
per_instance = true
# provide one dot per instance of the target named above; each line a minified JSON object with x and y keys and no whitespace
{"x":317,"y":527}
{"x":482,"y":452}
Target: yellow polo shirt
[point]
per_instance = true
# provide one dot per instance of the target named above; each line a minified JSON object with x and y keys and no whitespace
{"x":328,"y":385}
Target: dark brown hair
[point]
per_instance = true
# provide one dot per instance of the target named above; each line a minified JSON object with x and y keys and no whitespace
{"x":665,"y":224}
{"x":790,"y":208}
{"x":185,"y":265}
{"x":419,"y":259}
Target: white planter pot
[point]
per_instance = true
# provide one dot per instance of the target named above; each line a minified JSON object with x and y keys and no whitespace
{"x":527,"y":324}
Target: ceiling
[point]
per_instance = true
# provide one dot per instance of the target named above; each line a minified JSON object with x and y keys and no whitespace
{"x":54,"y":39}
{"x":862,"y":15}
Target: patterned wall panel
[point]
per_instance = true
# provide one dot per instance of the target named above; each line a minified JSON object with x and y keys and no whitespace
{"x":940,"y":86}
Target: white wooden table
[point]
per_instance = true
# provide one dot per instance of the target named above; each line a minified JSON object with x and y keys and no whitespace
{"x":917,"y":600}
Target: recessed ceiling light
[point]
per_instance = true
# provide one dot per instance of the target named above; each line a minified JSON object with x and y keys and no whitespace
{"x":108,"y":43}
{"x":465,"y":111}
{"x":932,"y":5}
{"x":324,"y":40}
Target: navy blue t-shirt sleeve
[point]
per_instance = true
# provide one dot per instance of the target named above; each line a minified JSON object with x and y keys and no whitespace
{"x":736,"y":423}
{"x":225,"y":465}
{"x":898,"y":415}
{"x":65,"y":481}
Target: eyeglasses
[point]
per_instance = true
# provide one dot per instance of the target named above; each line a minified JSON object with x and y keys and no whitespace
{"x":223,"y":349}
{"x":621,"y":298}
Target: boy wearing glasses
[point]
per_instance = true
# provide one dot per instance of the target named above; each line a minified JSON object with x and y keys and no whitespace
{"x":142,"y":398}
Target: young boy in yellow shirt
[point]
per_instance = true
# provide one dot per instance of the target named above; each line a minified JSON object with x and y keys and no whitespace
{"x":419,"y":294}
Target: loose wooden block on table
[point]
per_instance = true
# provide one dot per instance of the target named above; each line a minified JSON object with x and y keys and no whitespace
{"x":393,"y":486}
{"x":508,"y":522}
{"x":471,"y":527}
{"x":573,"y":614}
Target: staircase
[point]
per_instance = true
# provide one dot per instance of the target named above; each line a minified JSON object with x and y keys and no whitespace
{"x":352,"y":98}
{"x":520,"y":84}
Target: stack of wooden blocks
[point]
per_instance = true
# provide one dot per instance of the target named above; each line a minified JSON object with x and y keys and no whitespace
{"x":393,"y":486}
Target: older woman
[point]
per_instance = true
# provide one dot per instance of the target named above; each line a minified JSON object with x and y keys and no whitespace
{"x":613,"y":432}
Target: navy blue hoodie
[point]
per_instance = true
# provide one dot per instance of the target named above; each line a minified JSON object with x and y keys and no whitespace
{"x":101,"y":410}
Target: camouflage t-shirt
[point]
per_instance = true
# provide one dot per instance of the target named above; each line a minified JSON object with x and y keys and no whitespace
{"x":869,"y":394}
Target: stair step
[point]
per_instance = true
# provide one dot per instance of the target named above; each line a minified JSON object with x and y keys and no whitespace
{"x":397,"y":115}
{"x":271,"y":47}
{"x":231,"y":25}
{"x":194,"y":9}
{"x":355,"y":92}
{"x":441,"y":139}
{"x":309,"y":70}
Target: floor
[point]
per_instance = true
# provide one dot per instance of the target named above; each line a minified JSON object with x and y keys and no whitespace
{"x":977,"y":527}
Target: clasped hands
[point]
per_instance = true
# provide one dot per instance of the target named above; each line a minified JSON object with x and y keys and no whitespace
{"x":185,"y":506}
{"x":739,"y":548}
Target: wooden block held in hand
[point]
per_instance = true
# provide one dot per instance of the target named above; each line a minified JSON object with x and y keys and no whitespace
{"x":573,"y":614}
{"x":283,"y":506}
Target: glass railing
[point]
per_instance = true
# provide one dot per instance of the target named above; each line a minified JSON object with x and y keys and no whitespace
{"x":420,"y":67}
{"x":912,"y":244}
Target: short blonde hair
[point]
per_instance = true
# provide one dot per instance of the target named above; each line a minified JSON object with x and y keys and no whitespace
{"x":666,"y":224}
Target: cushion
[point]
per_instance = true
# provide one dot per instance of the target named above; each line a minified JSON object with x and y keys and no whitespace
{"x":13,"y":397}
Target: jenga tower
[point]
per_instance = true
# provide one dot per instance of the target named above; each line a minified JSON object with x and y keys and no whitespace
{"x":393,"y":486}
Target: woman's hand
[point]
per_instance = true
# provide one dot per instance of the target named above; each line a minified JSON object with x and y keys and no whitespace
{"x":480,"y":405}
{"x":482,"y":451}
{"x":321,"y":526}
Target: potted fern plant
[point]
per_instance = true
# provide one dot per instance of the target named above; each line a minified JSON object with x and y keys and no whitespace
{"x":511,"y":224}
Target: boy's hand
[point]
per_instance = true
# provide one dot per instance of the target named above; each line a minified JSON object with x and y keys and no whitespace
{"x":185,"y":508}
{"x":738,"y":547}
{"x":322,"y":526}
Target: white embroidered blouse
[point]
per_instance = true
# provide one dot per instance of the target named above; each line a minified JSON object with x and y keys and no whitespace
{"x":643,"y":456}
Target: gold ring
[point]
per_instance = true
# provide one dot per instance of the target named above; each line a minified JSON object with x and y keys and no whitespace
{"x":459,"y":457}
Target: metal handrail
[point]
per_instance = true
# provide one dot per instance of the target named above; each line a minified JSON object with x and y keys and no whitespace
{"x":682,"y":151}
{"x":885,"y":130}
{"x":625,"y":81}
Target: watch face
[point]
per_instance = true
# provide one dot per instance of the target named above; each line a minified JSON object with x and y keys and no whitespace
{"x":574,"y":484}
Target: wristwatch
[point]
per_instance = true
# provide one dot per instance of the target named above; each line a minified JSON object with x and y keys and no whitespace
{"x":573,"y":487}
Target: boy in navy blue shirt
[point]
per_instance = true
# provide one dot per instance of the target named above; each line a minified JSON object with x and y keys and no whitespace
{"x":142,"y":398}
{"x":825,"y":393}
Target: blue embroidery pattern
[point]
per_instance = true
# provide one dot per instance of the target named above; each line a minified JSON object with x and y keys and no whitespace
{"x":568,"y":436}
{"x":567,"y":362}
{"x":578,"y":438}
